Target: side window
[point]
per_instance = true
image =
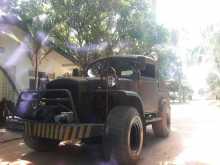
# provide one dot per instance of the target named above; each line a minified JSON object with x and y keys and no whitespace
{"x":149,"y":71}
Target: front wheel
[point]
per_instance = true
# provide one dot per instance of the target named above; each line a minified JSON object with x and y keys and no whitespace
{"x":123,"y":140}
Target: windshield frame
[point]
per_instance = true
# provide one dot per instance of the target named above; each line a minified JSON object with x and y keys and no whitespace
{"x":111,"y":60}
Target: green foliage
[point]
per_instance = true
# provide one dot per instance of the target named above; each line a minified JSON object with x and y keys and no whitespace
{"x":137,"y":27}
{"x":213,"y":81}
{"x":212,"y":36}
{"x":211,"y":44}
{"x":180,"y":91}
{"x":215,"y":45}
{"x":169,"y":65}
{"x":90,"y":29}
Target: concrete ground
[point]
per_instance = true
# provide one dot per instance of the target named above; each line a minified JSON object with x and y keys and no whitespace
{"x":194,"y":140}
{"x":7,"y":136}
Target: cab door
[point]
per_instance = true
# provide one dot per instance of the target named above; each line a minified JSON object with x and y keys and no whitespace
{"x":148,"y":88}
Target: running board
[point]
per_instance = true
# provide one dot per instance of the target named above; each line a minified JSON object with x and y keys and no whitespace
{"x":149,"y":121}
{"x":151,"y":117}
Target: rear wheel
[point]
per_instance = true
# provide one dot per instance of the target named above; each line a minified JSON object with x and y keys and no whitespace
{"x":41,"y":144}
{"x":162,"y":128}
{"x":123,"y":140}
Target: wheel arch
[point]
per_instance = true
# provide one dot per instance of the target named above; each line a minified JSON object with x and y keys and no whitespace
{"x":128,"y":98}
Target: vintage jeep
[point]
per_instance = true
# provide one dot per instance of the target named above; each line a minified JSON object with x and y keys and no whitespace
{"x":114,"y":102}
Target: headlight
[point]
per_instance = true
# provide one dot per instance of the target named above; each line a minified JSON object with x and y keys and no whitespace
{"x":111,"y":81}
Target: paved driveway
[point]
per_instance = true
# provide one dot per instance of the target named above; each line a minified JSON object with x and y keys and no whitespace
{"x":194,"y":141}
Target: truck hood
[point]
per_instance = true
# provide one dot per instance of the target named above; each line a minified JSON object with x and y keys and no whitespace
{"x":82,"y":83}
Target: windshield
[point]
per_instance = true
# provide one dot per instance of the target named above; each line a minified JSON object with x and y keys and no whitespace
{"x":124,"y":68}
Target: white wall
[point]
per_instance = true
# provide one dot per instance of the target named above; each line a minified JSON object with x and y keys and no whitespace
{"x":16,"y":61}
{"x":53,"y":63}
{"x":15,"y":58}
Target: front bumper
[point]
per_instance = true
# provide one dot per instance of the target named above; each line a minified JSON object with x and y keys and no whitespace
{"x":57,"y":131}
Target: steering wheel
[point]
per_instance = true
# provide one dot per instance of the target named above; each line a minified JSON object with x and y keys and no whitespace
{"x":107,"y":74}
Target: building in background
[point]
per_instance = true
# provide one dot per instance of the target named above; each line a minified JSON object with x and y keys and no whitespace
{"x":16,"y":66}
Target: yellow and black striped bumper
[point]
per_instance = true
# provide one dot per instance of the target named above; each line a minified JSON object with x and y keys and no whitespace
{"x":62,"y":131}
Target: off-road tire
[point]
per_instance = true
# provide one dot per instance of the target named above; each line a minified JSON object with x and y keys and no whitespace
{"x":41,"y":144}
{"x":123,"y":139}
{"x":162,"y":128}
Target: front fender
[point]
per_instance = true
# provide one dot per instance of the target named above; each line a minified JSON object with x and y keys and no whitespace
{"x":129,"y":98}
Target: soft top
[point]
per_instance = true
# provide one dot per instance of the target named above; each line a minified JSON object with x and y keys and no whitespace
{"x":138,"y":58}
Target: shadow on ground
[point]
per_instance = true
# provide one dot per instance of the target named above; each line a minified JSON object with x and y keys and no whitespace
{"x":69,"y":154}
{"x":66,"y":155}
{"x":161,"y":151}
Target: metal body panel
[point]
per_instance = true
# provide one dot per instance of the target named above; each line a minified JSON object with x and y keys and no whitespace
{"x":148,"y":90}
